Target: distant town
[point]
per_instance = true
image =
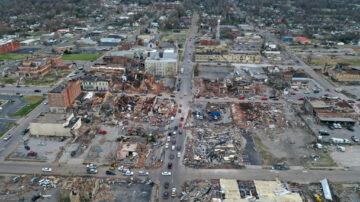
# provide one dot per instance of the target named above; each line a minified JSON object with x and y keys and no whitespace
{"x":211,"y":101}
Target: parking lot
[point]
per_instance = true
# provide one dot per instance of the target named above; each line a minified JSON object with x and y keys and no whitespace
{"x":46,"y":149}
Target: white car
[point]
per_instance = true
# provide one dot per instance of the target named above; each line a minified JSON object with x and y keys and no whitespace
{"x":178,"y":154}
{"x":129,"y":173}
{"x":143,"y":173}
{"x":165,"y":173}
{"x":173,"y":192}
{"x":46,"y":169}
{"x":168,"y":139}
{"x":166,"y":145}
{"x":251,"y":98}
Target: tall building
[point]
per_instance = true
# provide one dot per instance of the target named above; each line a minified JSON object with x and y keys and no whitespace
{"x":63,"y":95}
{"x":8,"y":46}
{"x":162,"y":64}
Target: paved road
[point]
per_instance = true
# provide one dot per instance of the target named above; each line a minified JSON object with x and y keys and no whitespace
{"x":12,"y":90}
{"x":17,"y":131}
{"x":184,"y":97}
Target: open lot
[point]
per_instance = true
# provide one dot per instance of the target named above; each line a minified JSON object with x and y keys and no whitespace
{"x":47,"y":149}
{"x":87,"y":57}
{"x":12,"y":56}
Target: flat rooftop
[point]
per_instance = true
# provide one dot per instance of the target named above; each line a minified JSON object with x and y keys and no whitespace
{"x":51,"y":118}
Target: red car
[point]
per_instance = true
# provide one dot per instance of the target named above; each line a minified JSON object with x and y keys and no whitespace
{"x":264,"y":98}
{"x":180,"y":125}
{"x":328,"y":90}
{"x":241,"y":98}
{"x":301,"y":98}
{"x":295,"y":89}
{"x":102,"y":132}
{"x":32,"y":153}
{"x":293,"y":93}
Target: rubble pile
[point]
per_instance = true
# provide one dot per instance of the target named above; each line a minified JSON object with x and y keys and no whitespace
{"x":220,"y":147}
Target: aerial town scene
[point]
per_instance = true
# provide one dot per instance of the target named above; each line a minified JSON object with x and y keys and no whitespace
{"x":189,"y":100}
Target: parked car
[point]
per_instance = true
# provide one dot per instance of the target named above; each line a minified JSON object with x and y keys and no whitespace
{"x":25,"y":131}
{"x":182,"y":119}
{"x":92,"y":171}
{"x":166,"y":195}
{"x":165,"y":173}
{"x":179,"y":154}
{"x":178,"y":147}
{"x":27,"y":147}
{"x":37,"y":91}
{"x":46,"y":169}
{"x":166,"y":145}
{"x":7,"y":137}
{"x":350,"y":128}
{"x":143,"y":173}
{"x":241,"y":98}
{"x":355,"y":139}
{"x":264,"y":98}
{"x":323,"y":132}
{"x":102,"y":132}
{"x":173,"y":192}
{"x":32,"y":153}
{"x":169,"y":165}
{"x":128,"y":173}
{"x":166,"y":185}
{"x":15,"y":179}
{"x":301,"y":98}
{"x":110,"y":172}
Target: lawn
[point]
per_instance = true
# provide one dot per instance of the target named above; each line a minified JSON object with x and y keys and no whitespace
{"x":85,"y":57}
{"x":8,"y":81}
{"x":12,"y":56}
{"x":33,"y":101}
{"x":9,"y":126}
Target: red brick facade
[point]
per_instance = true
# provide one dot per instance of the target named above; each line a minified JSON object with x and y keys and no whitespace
{"x":9,"y":46}
{"x":209,"y":42}
{"x":62,"y":96}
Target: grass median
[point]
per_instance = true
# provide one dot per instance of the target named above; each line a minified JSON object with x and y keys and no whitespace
{"x":33,"y":101}
{"x":9,"y":126}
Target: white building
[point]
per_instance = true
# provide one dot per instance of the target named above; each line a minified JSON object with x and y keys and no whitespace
{"x":162,"y":63}
{"x":55,"y":124}
{"x":94,"y":83}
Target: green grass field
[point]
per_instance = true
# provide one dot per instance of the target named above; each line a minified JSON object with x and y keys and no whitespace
{"x":34,"y":101}
{"x":9,"y":126}
{"x":85,"y":57}
{"x":12,"y":56}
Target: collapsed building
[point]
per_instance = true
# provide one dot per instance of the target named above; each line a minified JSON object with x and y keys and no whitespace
{"x":329,"y":110}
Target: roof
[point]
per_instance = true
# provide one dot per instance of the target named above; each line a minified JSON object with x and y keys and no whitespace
{"x":326,"y":189}
{"x":93,"y":78}
{"x":231,"y":189}
{"x":110,"y":40}
{"x":58,"y":118}
{"x":273,"y":191}
{"x":335,"y":119}
{"x":3,"y":42}
{"x":318,"y":104}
